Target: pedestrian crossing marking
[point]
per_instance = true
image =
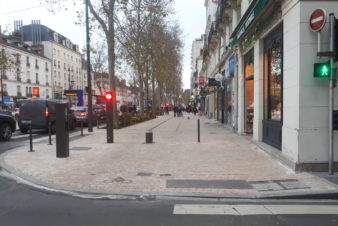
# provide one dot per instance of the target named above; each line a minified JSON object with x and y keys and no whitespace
{"x":243,"y":210}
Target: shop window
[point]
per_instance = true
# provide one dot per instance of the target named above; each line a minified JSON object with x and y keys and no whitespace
{"x":273,"y":88}
{"x":249,"y":91}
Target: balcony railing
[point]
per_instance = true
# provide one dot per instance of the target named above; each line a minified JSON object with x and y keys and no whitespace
{"x":47,"y":83}
{"x":5,"y":93}
{"x":4,"y":77}
{"x":19,"y":94}
{"x":18,"y":78}
{"x":47,"y":69}
{"x":29,"y":95}
{"x":37,"y":82}
{"x":29,"y":81}
{"x":37,"y":66}
{"x":28,"y":64}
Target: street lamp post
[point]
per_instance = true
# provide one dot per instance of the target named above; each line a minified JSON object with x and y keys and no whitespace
{"x":89,"y":78}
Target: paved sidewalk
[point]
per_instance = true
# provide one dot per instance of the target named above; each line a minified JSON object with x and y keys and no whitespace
{"x":224,"y":164}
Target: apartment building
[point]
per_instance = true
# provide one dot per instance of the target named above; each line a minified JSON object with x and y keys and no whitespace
{"x":261,"y":53}
{"x":25,"y":72}
{"x":67,"y":62}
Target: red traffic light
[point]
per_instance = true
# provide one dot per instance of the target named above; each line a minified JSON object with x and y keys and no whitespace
{"x":108,"y":96}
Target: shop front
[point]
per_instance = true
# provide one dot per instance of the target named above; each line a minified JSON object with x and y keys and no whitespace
{"x":273,"y":88}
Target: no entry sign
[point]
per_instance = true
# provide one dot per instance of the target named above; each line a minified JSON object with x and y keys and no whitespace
{"x":317,"y":19}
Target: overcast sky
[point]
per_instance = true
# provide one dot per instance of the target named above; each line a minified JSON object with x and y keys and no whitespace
{"x":190,"y":14}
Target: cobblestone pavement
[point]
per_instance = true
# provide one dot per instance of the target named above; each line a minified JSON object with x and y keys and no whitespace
{"x":223,"y":164}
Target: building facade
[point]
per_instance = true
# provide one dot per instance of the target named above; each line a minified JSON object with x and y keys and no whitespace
{"x":67,"y":62}
{"x":24,"y":71}
{"x":264,"y":51}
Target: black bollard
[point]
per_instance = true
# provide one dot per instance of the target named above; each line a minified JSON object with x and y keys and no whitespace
{"x":149,"y":137}
{"x":98,"y":123}
{"x":198,"y":131}
{"x":81,"y":127}
{"x":50,"y":133}
{"x":30,"y":138}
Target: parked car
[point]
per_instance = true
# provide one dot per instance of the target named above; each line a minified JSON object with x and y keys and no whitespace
{"x":7,"y":127}
{"x":40,"y":112}
{"x":81,"y":114}
{"x":100,"y":112}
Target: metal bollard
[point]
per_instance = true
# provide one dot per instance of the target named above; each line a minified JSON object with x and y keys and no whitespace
{"x":98,"y":123}
{"x":81,"y":127}
{"x":30,"y":138}
{"x":50,"y":133}
{"x":149,"y":136}
{"x":198,"y":131}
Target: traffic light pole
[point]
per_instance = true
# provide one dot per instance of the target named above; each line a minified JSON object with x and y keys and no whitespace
{"x":331,"y":100}
{"x":89,"y":77}
{"x":110,"y":133}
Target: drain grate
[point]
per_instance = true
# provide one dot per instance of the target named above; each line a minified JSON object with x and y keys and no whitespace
{"x":165,"y":175}
{"x":209,"y":184}
{"x":143,"y":174}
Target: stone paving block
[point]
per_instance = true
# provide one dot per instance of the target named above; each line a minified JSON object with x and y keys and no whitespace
{"x":214,"y":184}
{"x":266,"y":186}
{"x":293,"y":184}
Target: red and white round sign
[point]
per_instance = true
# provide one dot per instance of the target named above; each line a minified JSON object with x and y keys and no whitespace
{"x":318,"y":19}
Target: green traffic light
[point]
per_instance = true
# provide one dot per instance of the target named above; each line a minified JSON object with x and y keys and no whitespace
{"x":325,"y":71}
{"x":322,"y":70}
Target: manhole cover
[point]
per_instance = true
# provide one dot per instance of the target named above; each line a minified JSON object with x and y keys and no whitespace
{"x":266,"y":186}
{"x":293,"y":184}
{"x":143,"y":174}
{"x":277,"y":185}
{"x":80,"y":148}
{"x":214,"y":184}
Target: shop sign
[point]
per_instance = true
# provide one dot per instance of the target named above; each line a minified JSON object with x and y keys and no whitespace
{"x":253,"y":14}
{"x":232,"y":65}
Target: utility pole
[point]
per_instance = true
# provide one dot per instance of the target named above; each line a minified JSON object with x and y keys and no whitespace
{"x":89,"y":78}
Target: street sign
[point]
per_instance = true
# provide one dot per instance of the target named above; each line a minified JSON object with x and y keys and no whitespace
{"x":317,"y":19}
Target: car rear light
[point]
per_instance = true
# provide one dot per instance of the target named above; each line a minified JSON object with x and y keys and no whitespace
{"x":46,"y":113}
{"x":83,"y":114}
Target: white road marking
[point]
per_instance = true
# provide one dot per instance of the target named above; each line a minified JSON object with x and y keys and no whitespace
{"x":237,"y":210}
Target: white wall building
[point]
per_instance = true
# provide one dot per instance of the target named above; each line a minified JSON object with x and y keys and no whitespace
{"x":67,"y":73}
{"x":29,"y":74}
{"x":266,"y":51}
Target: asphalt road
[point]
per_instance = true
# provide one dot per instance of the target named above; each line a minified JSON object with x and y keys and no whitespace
{"x":21,"y":205}
{"x":18,"y":139}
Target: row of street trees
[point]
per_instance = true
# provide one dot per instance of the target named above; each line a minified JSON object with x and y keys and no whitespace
{"x":143,"y":36}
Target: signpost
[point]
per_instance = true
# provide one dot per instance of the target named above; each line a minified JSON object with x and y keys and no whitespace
{"x":317,"y":22}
